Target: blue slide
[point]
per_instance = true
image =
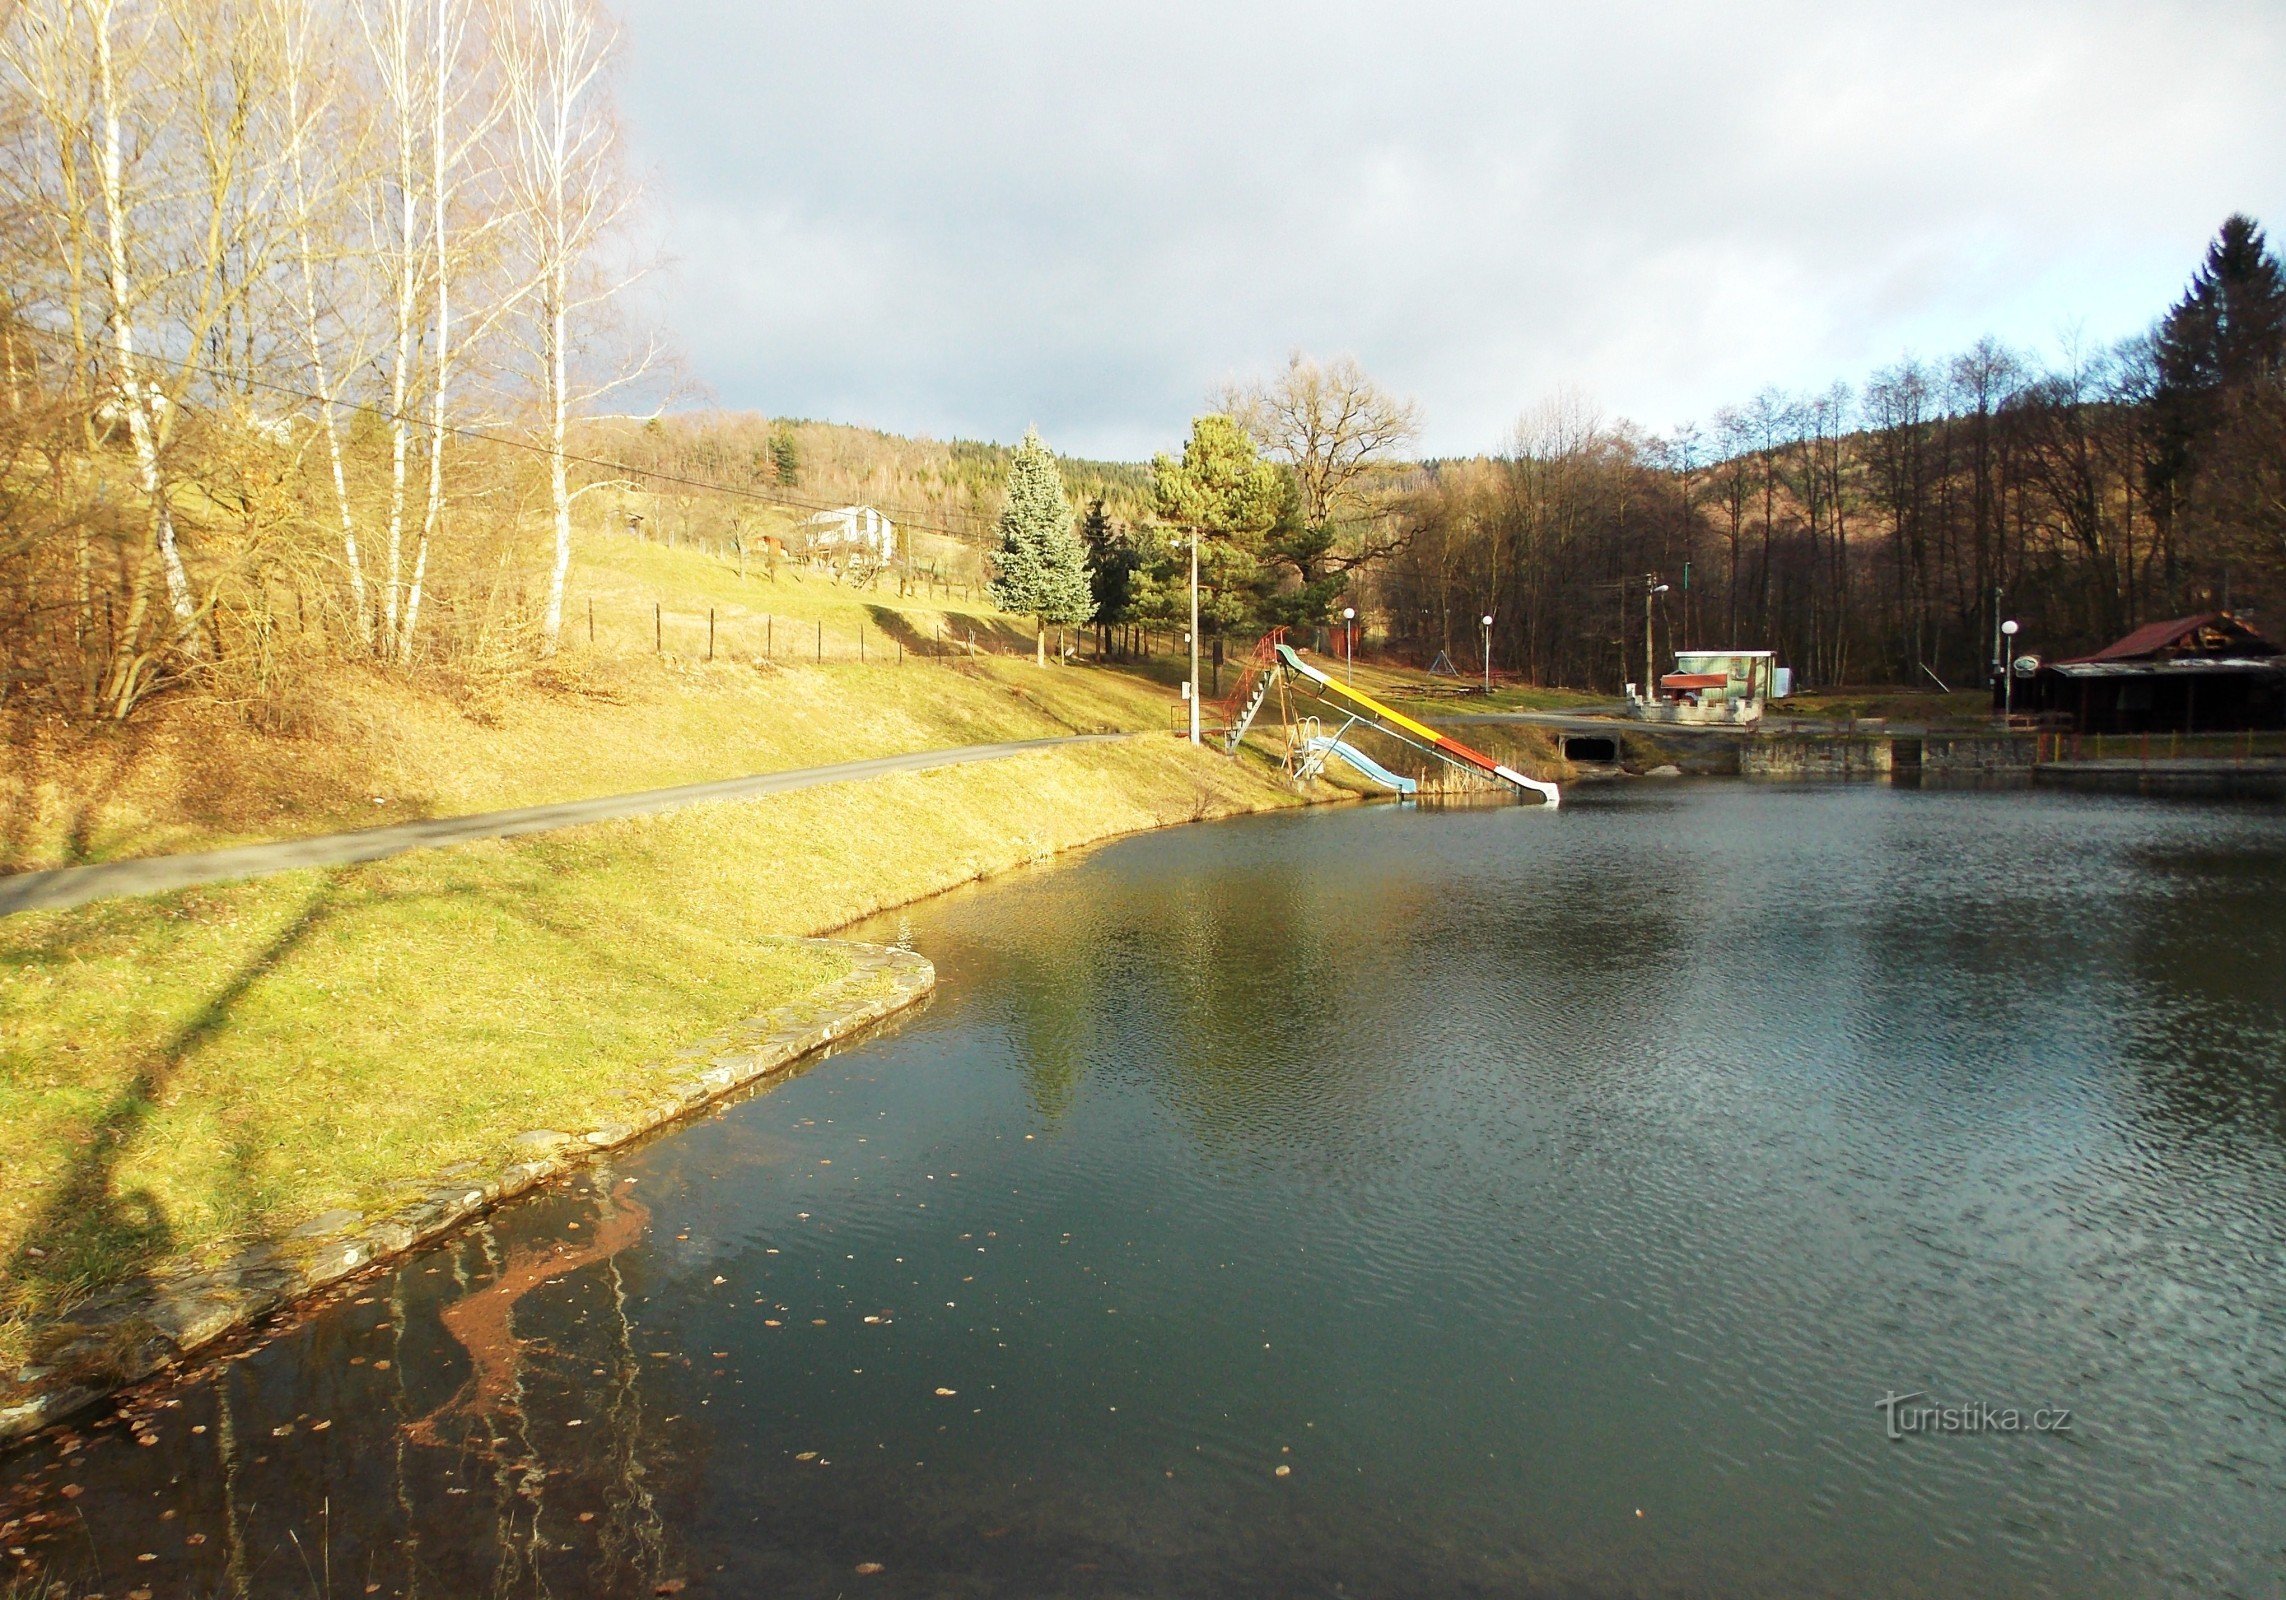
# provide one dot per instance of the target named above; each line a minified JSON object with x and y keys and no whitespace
{"x":1365,"y":764}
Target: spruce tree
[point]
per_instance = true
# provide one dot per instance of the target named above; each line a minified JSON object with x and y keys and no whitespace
{"x":2224,"y":340}
{"x":1042,"y":566}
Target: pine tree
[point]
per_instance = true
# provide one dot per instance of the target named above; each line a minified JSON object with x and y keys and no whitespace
{"x":1042,"y":566}
{"x":2221,"y":345}
{"x":785,"y":460}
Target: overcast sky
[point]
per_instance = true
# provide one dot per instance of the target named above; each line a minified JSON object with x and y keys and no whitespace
{"x":960,"y":219}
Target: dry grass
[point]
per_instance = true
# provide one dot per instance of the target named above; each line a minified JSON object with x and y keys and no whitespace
{"x":183,"y":1074}
{"x":369,"y":747}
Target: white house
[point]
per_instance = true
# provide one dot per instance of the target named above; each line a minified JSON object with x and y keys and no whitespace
{"x":853,"y":531}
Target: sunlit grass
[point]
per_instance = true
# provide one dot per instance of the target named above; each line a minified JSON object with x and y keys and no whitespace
{"x":183,"y":1074}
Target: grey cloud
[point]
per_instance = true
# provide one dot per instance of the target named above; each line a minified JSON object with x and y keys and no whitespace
{"x":965,"y":219}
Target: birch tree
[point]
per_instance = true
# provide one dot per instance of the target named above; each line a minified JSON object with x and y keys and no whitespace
{"x":567,"y":197}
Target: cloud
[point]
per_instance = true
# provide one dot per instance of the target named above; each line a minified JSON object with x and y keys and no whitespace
{"x":961,"y":220}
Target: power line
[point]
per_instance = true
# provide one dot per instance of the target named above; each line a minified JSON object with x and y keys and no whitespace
{"x":463,"y":431}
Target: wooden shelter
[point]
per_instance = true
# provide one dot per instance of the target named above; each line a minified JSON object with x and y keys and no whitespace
{"x":2202,"y":674}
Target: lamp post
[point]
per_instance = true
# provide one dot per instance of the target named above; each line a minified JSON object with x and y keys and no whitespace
{"x":1651,"y":586}
{"x":1194,"y":635}
{"x":1349,"y":643}
{"x":1488,"y":653}
{"x":2008,"y":670}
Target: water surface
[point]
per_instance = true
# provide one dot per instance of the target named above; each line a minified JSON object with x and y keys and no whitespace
{"x":1375,"y":1201}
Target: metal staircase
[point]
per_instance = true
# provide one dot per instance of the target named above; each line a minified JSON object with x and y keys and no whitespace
{"x":1253,"y":687}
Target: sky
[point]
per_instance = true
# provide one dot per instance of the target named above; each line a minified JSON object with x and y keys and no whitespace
{"x":963,"y":220}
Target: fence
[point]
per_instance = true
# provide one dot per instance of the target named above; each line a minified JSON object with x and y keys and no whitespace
{"x":2145,"y":748}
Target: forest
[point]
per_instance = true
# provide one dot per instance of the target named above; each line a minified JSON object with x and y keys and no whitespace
{"x":316,"y":346}
{"x":1878,"y":536}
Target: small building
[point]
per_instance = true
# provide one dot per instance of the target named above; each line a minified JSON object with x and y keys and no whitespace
{"x":853,"y":532}
{"x":1715,"y":687}
{"x":2209,"y":673}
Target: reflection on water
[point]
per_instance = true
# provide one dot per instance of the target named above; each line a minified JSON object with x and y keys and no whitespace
{"x":1377,"y":1202}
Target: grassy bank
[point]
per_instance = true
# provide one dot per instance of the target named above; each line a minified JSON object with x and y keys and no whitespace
{"x":183,"y":1075}
{"x":356,"y":747}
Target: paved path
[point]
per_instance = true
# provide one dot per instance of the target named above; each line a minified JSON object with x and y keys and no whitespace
{"x":58,"y":887}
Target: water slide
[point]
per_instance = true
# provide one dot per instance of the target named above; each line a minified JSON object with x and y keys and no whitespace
{"x":1451,"y":749}
{"x":1364,"y":763}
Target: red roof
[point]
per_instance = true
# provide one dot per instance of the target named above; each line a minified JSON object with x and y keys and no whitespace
{"x":2153,"y":638}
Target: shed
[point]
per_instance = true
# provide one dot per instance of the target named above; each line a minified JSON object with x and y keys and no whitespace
{"x":2207,"y":673}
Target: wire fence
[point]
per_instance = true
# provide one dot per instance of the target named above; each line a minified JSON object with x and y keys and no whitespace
{"x":885,"y":639}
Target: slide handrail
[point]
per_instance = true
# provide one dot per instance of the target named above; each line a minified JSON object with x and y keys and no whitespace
{"x":1451,"y":747}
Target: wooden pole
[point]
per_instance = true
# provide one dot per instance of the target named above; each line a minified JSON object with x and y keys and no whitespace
{"x":658,"y":629}
{"x":710,"y":633}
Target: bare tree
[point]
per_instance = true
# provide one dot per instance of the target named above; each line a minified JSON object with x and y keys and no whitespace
{"x":567,"y":196}
{"x":1331,"y":425}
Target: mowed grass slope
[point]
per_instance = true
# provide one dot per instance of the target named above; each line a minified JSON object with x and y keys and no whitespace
{"x":365,"y":747}
{"x":183,"y":1075}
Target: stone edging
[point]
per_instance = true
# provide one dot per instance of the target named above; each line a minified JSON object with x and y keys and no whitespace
{"x":130,"y":1332}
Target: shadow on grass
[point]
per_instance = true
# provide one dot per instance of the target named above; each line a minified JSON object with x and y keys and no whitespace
{"x":91,"y":767}
{"x":89,"y":1235}
{"x":92,"y":1235}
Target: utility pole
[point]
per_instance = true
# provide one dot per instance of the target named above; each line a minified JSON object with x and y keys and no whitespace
{"x":1194,"y":686}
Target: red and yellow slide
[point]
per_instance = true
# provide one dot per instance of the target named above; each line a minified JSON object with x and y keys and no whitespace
{"x":1452,"y":749}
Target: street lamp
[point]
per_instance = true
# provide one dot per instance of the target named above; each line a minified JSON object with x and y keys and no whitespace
{"x":1650,"y":671}
{"x":1349,"y":642}
{"x":2008,"y":670}
{"x":1488,"y":653}
{"x":1194,"y":635}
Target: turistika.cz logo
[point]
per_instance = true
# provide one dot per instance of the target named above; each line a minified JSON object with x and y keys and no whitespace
{"x":1902,"y":1418}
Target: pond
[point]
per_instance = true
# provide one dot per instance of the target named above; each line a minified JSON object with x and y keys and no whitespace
{"x":1371,"y":1201}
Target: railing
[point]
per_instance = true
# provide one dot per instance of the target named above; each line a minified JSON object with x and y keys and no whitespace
{"x":2145,"y":748}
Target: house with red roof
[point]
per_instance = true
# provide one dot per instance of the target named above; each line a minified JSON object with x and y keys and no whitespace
{"x":2202,"y":674}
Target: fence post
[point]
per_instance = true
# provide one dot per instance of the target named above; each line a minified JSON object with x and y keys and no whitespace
{"x":710,"y":633}
{"x":861,"y":641}
{"x":821,"y":641}
{"x":591,"y":619}
{"x":769,"y":636}
{"x":658,"y":629}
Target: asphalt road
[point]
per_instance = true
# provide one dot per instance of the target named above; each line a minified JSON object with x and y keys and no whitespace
{"x":59,"y":887}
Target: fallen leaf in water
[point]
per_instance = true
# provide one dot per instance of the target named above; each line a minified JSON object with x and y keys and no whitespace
{"x":873,"y":1319}
{"x":281,"y":1430}
{"x":382,"y":1365}
{"x":196,"y":1538}
{"x":807,"y":1455}
{"x":720,"y":1279}
{"x":587,"y":1516}
{"x":771,"y":1322}
{"x":1283,"y":1469}
{"x":148,"y":1555}
{"x":138,"y":1594}
{"x":671,"y":1586}
{"x":72,"y":1491}
{"x":321,"y":1425}
{"x":869,"y":1568}
{"x":947,"y":1393}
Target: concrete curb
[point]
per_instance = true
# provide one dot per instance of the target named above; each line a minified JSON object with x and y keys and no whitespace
{"x":130,"y":1332}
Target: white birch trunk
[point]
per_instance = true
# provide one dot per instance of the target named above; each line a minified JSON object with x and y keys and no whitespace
{"x":296,"y":43}
{"x":433,"y":510}
{"x":149,"y":470}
